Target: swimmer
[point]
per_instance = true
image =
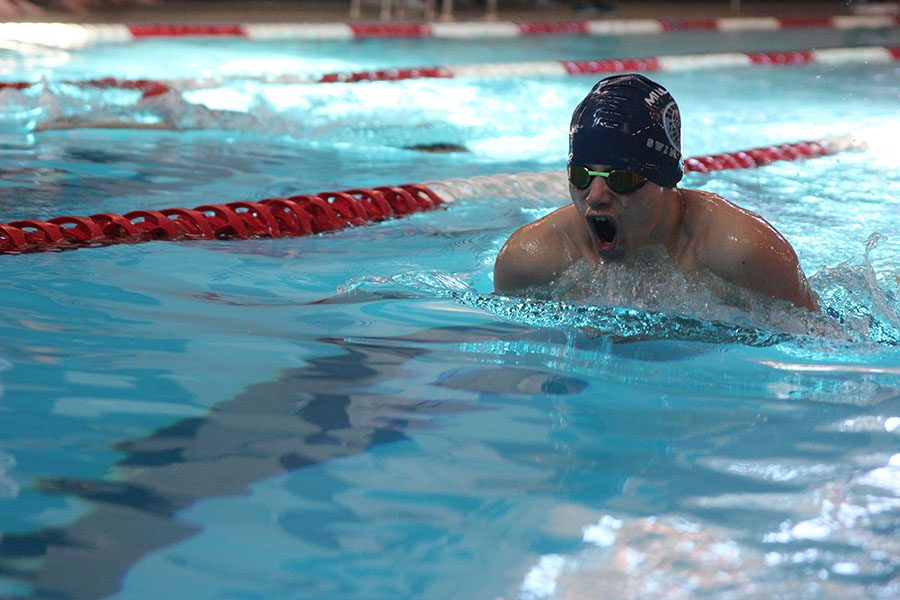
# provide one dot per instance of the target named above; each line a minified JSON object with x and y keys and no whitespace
{"x":624,"y":166}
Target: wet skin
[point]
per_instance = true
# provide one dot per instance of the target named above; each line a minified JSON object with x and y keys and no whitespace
{"x":699,"y":231}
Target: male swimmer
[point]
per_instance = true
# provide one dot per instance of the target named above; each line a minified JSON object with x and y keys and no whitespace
{"x":624,"y":166}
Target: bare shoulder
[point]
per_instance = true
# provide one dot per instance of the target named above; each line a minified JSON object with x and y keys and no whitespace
{"x":742,"y":247}
{"x":727,"y":233}
{"x":716,"y":220}
{"x":537,"y":253}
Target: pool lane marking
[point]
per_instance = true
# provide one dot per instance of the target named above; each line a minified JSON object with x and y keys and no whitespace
{"x":70,"y":35}
{"x":666,"y":64}
{"x":508,"y":69}
{"x":855,"y":55}
{"x":327,"y":212}
{"x":863,"y":22}
{"x":547,"y":183}
{"x":697,"y":62}
{"x":474,"y":30}
{"x":672,"y":63}
{"x":750,"y":24}
{"x":302,"y":33}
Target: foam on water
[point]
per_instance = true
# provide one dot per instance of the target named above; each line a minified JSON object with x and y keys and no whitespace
{"x":651,"y":298}
{"x":866,"y":303}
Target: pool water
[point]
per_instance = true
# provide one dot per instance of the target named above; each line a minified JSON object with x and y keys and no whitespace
{"x":355,"y":415}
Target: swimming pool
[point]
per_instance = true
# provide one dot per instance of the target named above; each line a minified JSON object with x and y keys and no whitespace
{"x":355,"y":416}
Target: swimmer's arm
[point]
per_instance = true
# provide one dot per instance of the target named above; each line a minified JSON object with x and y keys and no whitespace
{"x":761,"y":260}
{"x":536,"y":254}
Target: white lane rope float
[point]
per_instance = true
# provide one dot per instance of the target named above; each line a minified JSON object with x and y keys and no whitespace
{"x":549,"y":68}
{"x":70,"y":35}
{"x":308,"y":214}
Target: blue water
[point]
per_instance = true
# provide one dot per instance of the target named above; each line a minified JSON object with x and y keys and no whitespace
{"x":356,"y":416}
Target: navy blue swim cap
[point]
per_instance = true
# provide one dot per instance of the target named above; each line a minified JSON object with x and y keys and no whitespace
{"x":629,"y":122}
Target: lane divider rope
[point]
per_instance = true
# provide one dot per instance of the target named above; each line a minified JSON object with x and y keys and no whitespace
{"x":541,"y":185}
{"x":323,"y":212}
{"x":72,"y":35}
{"x":672,"y":63}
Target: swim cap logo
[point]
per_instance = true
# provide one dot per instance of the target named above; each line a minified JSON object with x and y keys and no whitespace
{"x":654,"y":96}
{"x":672,"y":124}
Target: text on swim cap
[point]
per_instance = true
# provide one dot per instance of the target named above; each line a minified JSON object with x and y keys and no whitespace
{"x":662,"y":147}
{"x":654,"y":96}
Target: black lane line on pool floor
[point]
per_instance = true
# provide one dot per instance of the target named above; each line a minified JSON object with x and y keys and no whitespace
{"x":300,"y":420}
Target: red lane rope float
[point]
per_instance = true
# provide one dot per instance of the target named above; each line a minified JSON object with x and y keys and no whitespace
{"x":554,"y":28}
{"x":690,"y":24}
{"x":670,"y":63}
{"x":391,"y":30}
{"x":70,"y":34}
{"x":386,"y":75}
{"x":148,"y":87}
{"x":308,"y":214}
{"x":584,"y":67}
{"x":272,"y":217}
{"x":757,"y":157}
{"x":140,"y":31}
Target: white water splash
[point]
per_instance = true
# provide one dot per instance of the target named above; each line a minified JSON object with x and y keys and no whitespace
{"x":866,"y":303}
{"x":652,"y":298}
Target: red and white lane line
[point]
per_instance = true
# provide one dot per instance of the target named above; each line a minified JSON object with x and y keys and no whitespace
{"x":73,"y":35}
{"x":673,"y":63}
{"x":549,"y":184}
{"x":307,"y":214}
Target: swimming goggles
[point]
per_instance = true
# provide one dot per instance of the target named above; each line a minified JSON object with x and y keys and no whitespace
{"x":619,"y":180}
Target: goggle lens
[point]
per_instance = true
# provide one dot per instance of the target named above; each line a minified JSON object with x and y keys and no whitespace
{"x":619,"y":180}
{"x":579,"y":176}
{"x":623,"y":182}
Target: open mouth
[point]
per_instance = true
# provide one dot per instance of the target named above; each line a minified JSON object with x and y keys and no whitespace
{"x":604,"y":232}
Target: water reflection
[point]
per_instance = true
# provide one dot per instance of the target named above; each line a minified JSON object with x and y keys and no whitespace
{"x":333,"y":407}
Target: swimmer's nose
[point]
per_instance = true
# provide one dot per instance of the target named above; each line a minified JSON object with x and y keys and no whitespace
{"x":598,"y":193}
